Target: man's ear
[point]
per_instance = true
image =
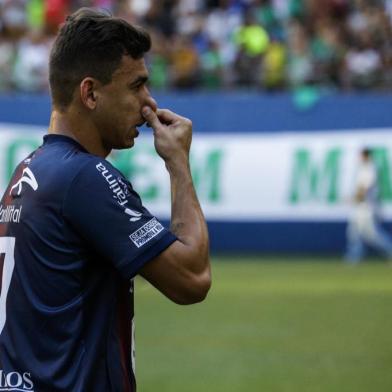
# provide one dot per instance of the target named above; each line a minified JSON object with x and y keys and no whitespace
{"x":88,"y":93}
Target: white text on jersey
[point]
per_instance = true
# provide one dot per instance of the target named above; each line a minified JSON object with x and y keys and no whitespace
{"x":10,"y":214}
{"x":117,"y":189}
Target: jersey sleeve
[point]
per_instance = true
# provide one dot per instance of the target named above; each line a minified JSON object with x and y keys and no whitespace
{"x":103,"y":208}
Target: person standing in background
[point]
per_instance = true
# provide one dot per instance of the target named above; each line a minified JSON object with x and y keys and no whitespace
{"x":364,"y":226}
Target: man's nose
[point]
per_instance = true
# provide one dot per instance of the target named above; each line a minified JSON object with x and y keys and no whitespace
{"x":150,"y":101}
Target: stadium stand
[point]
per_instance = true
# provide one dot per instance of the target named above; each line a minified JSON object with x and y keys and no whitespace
{"x":221,"y":44}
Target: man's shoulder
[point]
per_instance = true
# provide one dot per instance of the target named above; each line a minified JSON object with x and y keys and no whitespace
{"x":58,"y":167}
{"x":62,"y":159}
{"x":55,"y":169}
{"x":99,"y":175}
{"x":63,"y":172}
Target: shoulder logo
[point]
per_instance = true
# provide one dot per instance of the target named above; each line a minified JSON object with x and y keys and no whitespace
{"x":27,"y":178}
{"x":135,"y":216}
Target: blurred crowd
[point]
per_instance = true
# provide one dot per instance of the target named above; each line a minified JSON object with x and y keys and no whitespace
{"x":220,"y":44}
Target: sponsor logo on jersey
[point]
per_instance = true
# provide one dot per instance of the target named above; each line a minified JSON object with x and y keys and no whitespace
{"x":10,"y":214}
{"x":116,"y":184}
{"x":27,"y":178}
{"x":135,"y":216}
{"x":146,"y":233}
{"x":16,"y":381}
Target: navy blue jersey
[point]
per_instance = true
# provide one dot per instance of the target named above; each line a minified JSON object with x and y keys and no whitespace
{"x":73,"y":234}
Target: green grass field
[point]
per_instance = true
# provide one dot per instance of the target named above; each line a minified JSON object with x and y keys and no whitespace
{"x":270,"y":325}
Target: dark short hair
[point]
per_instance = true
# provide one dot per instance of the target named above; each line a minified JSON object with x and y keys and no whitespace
{"x":91,"y":43}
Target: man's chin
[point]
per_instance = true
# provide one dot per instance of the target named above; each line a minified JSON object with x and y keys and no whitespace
{"x":125,"y":145}
{"x":129,"y":144}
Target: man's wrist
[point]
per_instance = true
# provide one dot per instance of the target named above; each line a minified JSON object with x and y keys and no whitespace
{"x":177,"y":164}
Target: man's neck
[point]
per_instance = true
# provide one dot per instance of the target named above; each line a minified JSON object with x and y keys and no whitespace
{"x":79,"y":129}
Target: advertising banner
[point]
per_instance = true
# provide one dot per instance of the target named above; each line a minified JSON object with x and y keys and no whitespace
{"x":299,"y":176}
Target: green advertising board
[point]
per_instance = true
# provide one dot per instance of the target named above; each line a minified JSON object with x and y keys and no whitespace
{"x":250,"y":177}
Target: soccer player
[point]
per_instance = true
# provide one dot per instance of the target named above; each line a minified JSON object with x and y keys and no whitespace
{"x":73,"y":231}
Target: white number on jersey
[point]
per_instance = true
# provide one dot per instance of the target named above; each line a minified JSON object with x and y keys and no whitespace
{"x":7,"y":247}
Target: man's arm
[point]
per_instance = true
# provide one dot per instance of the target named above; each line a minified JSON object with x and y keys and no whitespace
{"x":181,"y":272}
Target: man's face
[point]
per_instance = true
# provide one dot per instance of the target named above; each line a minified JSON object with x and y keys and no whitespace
{"x":119,"y":104}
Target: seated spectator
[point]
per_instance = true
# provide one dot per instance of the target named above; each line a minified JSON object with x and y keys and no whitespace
{"x":211,"y":67}
{"x":301,"y":67}
{"x":328,"y":52}
{"x":31,"y":66}
{"x":185,"y":64}
{"x":14,"y":18}
{"x":158,"y":60}
{"x":363,"y":64}
{"x":252,"y":41}
{"x":7,"y":55}
{"x":274,"y":66}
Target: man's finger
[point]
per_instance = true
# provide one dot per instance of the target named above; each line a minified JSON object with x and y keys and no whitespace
{"x":167,"y":116}
{"x":151,"y":118}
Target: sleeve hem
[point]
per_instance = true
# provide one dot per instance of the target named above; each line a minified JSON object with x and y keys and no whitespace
{"x":131,"y":268}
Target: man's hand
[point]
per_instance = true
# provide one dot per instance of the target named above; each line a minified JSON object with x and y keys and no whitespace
{"x":360,"y":195}
{"x":172,"y":134}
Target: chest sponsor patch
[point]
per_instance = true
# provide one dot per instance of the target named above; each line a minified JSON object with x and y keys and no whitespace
{"x":146,"y":233}
{"x":10,"y":214}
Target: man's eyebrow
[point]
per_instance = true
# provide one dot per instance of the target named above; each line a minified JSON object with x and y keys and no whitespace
{"x":139,"y":80}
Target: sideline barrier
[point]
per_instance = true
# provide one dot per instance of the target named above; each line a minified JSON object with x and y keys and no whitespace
{"x":261,"y":191}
